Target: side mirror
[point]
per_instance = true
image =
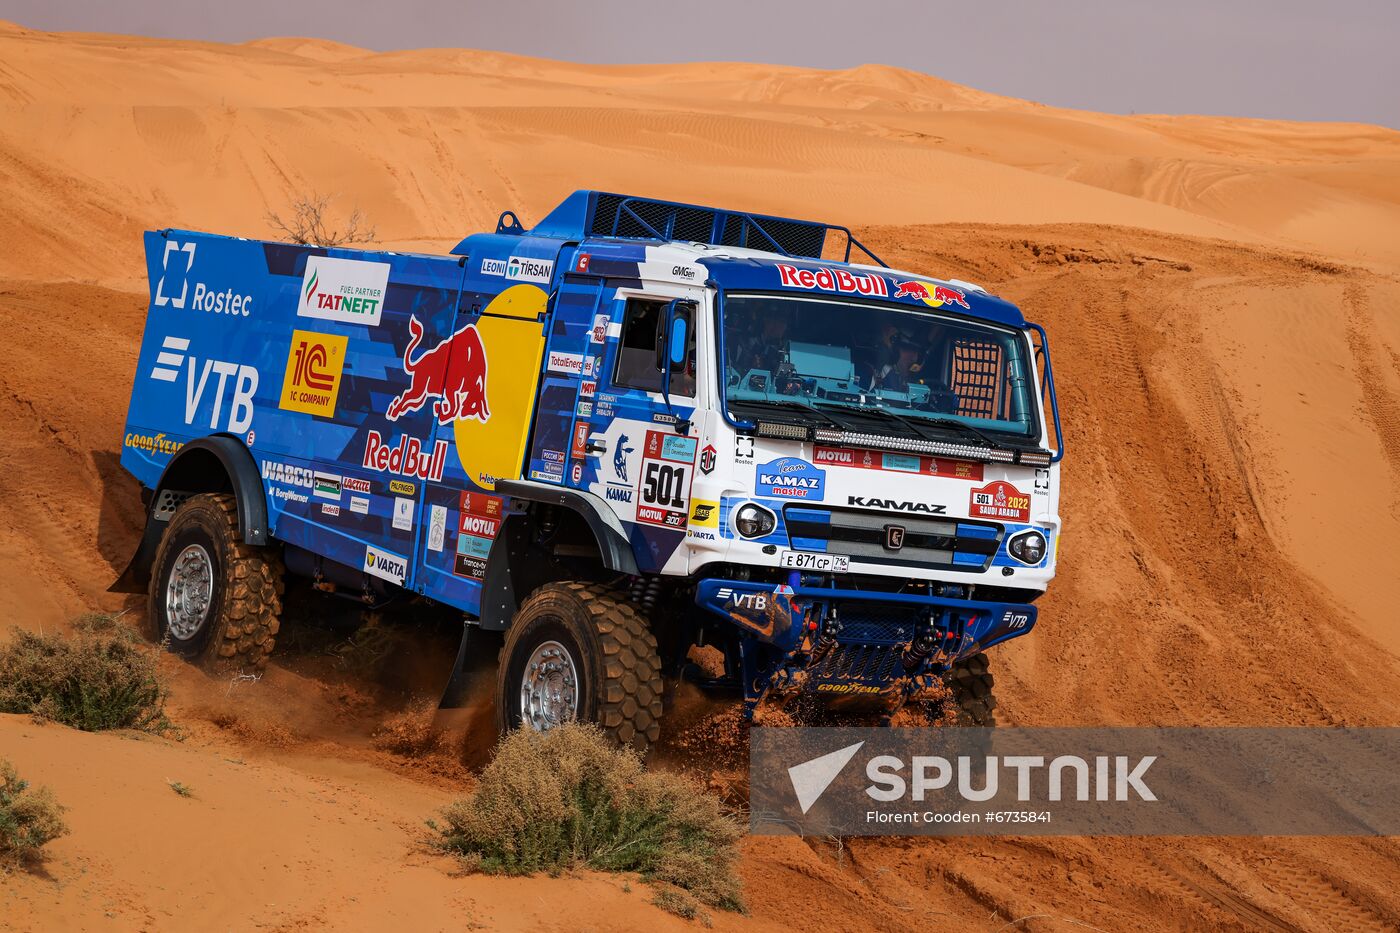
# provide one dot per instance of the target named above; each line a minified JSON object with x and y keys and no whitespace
{"x":680,"y":331}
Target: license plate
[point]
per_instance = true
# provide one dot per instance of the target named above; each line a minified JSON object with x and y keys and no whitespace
{"x":808,"y":560}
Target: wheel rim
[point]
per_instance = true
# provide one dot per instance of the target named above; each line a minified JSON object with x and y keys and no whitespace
{"x":188,"y":592}
{"x":549,"y":687}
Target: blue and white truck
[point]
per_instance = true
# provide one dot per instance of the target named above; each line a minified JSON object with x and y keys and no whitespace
{"x":637,"y":428}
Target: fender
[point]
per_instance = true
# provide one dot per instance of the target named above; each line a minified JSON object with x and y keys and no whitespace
{"x":208,"y":464}
{"x":613,"y":542}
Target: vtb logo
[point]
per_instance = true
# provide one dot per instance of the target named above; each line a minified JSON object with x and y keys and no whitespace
{"x":314,"y":365}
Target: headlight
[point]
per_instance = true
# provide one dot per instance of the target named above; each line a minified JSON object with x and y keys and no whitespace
{"x":1027,"y":546}
{"x":754,"y":521}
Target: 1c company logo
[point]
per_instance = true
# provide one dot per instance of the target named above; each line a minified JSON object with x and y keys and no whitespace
{"x":314,"y":365}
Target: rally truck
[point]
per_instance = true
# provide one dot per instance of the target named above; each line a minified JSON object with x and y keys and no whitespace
{"x":637,"y":428}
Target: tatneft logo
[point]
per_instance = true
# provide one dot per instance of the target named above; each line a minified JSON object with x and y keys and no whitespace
{"x":1066,"y":777}
{"x":347,"y":290}
{"x":173,"y":267}
{"x":174,"y":356}
{"x":312,"y":381}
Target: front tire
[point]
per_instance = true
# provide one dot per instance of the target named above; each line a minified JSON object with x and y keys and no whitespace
{"x":971,"y":684}
{"x":579,"y":651}
{"x":214,"y":599}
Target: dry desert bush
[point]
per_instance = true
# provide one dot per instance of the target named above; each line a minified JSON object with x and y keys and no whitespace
{"x":29,"y":818}
{"x":569,"y":798}
{"x":101,"y":677}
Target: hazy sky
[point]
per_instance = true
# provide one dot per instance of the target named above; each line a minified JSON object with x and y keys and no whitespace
{"x":1295,"y":59}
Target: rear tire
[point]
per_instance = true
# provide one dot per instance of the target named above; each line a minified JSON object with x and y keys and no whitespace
{"x":971,"y":684}
{"x":578,"y":651}
{"x":214,"y":599}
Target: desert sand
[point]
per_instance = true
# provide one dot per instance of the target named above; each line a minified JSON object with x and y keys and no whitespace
{"x":1222,"y":301}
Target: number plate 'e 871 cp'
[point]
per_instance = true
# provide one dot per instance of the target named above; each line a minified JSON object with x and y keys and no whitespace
{"x":808,"y":560}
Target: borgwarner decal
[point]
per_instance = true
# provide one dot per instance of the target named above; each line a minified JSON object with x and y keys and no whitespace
{"x":350,"y":291}
{"x":1000,"y":500}
{"x":453,"y":373}
{"x":790,"y":478}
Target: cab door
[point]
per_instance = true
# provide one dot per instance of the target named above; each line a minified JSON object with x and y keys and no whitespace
{"x":635,"y":443}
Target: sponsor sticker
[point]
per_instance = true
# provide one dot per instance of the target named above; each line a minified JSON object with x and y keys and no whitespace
{"x":743,"y":448}
{"x":708,"y":457}
{"x":790,"y":478}
{"x":1000,"y":500}
{"x":326,"y":485}
{"x":704,"y":514}
{"x":350,"y":291}
{"x":833,"y":280}
{"x":581,"y":431}
{"x":599,"y":333}
{"x":899,"y":463}
{"x":437,"y":527}
{"x":663,"y":485}
{"x":354,"y":484}
{"x":525,"y":269}
{"x":314,"y":366}
{"x":385,"y":564}
{"x":359,"y":505}
{"x":452,"y":374}
{"x":479,"y":521}
{"x":329,"y":509}
{"x":153,"y":443}
{"x":569,"y":363}
{"x":403,"y":514}
{"x":493,"y":267}
{"x":402,"y":488}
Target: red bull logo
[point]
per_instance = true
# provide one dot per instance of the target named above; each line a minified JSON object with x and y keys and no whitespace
{"x":935,"y":296}
{"x":833,"y":280}
{"x":453,"y":373}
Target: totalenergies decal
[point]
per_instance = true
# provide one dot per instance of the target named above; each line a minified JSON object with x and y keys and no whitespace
{"x":453,"y":373}
{"x":935,"y":296}
{"x":834,"y":280}
{"x":1000,"y":500}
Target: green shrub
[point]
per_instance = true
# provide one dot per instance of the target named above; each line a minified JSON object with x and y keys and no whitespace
{"x":28,"y":818}
{"x":569,"y":797}
{"x":103,"y":677}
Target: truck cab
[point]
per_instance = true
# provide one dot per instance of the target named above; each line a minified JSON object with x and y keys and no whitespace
{"x":636,"y":428}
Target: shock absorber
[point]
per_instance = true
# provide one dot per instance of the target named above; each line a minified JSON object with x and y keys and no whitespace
{"x":920,"y":648}
{"x":645,"y":591}
{"x":830,"y":630}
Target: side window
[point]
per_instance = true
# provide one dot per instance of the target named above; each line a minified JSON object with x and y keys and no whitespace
{"x":639,"y":358}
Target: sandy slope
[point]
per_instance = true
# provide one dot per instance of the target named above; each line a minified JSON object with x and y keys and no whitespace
{"x":1232,"y":406}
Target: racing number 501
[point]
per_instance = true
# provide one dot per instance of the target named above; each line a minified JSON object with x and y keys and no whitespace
{"x":665,"y":484}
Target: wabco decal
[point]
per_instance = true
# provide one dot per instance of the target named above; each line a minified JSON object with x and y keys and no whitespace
{"x":350,"y":291}
{"x":935,"y":296}
{"x":790,"y":478}
{"x":833,"y":280}
{"x":314,"y":365}
{"x":204,"y":298}
{"x":898,"y":505}
{"x":286,"y":474}
{"x":174,"y":356}
{"x":453,"y":373}
{"x":1000,"y":500}
{"x":899,"y":463}
{"x":406,"y":458}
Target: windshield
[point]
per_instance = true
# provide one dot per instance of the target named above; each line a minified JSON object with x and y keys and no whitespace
{"x":847,"y":362}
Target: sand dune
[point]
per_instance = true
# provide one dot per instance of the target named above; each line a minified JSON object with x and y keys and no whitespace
{"x":1221,"y":300}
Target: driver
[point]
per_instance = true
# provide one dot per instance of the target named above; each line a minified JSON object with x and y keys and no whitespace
{"x":902,"y":371}
{"x":767,"y":347}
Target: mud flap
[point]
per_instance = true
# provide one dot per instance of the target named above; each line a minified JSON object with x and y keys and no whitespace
{"x":452,"y":713}
{"x":137,"y":575}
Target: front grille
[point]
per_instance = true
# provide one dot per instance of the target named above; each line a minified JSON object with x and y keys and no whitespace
{"x":942,"y":543}
{"x":873,"y":663}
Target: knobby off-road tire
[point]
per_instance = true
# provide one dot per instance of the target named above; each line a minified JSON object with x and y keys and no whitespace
{"x":971,"y":684}
{"x":203,"y":560}
{"x":581,"y":651}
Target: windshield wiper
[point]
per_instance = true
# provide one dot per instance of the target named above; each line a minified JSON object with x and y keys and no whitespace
{"x":790,"y":404}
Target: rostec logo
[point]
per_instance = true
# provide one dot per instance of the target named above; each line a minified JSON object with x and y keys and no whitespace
{"x":314,"y":366}
{"x":833,"y":280}
{"x":453,"y":373}
{"x":347,"y":290}
{"x":173,"y":357}
{"x":203,"y":299}
{"x":385,"y":565}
